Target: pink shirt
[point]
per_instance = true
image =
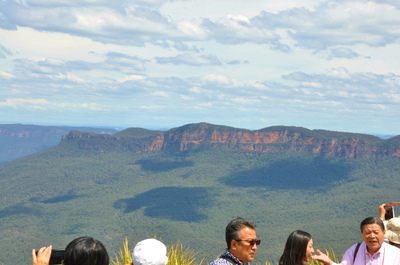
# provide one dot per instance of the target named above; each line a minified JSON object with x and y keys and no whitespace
{"x":387,"y":255}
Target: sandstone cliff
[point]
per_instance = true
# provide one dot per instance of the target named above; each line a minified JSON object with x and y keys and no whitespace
{"x":267,"y":140}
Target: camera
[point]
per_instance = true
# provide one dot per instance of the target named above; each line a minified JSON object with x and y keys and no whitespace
{"x":56,"y":256}
{"x":389,"y":213}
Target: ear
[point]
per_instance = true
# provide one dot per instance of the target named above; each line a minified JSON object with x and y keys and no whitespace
{"x":234,"y":244}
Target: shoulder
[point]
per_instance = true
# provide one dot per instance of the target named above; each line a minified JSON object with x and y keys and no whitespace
{"x":391,"y":248}
{"x":351,"y":252}
{"x":220,"y":261}
{"x":353,"y":248}
{"x":391,"y":254}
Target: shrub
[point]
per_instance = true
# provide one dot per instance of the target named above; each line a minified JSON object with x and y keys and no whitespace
{"x":177,"y":255}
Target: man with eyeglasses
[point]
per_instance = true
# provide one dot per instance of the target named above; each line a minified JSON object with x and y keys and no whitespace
{"x":242,"y":242}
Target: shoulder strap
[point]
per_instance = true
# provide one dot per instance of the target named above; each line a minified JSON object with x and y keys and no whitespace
{"x":230,"y":259}
{"x":356,"y":251}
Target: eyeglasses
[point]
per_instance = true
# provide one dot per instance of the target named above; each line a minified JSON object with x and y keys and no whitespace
{"x":252,"y":241}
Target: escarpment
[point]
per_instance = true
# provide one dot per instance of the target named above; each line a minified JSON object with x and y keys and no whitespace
{"x":268,"y":140}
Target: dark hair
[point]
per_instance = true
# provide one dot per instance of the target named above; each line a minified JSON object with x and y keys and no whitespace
{"x":232,"y":231}
{"x":85,"y":251}
{"x":295,"y":248}
{"x":394,"y":244}
{"x":372,"y":220}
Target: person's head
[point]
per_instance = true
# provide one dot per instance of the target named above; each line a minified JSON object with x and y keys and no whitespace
{"x":149,"y":252}
{"x":298,"y":248}
{"x":85,"y":251}
{"x":393,"y":231}
{"x":241,"y":239}
{"x":373,"y":233}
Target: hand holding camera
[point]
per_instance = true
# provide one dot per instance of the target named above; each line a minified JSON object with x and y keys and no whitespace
{"x":47,"y":256}
{"x":42,"y":256}
{"x":386,"y":210}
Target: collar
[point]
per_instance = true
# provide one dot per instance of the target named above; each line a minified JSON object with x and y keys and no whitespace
{"x":228,"y":254}
{"x":376,"y":254}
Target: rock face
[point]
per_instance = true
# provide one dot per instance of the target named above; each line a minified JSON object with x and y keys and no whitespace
{"x":272,"y":139}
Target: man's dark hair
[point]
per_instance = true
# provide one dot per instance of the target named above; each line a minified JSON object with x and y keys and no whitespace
{"x":372,"y":220}
{"x":232,"y":231}
{"x":85,"y":251}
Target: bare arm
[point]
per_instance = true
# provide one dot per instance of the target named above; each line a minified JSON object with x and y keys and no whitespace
{"x":321,"y":257}
{"x":382,"y":211}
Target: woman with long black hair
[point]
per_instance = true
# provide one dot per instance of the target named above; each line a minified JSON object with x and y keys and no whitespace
{"x":298,"y":249}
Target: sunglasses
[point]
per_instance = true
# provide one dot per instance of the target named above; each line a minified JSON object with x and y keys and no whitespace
{"x":252,"y":242}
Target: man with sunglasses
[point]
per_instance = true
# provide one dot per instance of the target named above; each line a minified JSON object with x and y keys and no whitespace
{"x":242,"y":242}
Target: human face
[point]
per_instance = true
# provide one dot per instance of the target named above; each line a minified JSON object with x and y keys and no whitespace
{"x":309,"y":250}
{"x":242,"y":249}
{"x":373,"y":237}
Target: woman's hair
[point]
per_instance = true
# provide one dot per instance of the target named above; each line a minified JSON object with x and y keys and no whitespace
{"x":295,"y":248}
{"x":85,"y":251}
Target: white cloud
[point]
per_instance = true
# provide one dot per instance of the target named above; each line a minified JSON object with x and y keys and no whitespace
{"x":195,"y":89}
{"x":290,"y":59}
{"x":337,"y":23}
{"x":190,"y":59}
{"x":311,"y":84}
{"x":128,"y":24}
{"x":342,"y":53}
{"x":25,"y":103}
{"x":4,"y":52}
{"x":394,"y":98}
{"x":238,"y":29}
{"x":6,"y":75}
{"x":192,"y":30}
{"x":160,"y":94}
{"x":220,"y":79}
{"x":246,"y":101}
{"x":70,"y":77}
{"x":184,"y":97}
{"x":43,"y":104}
{"x":130,"y":78}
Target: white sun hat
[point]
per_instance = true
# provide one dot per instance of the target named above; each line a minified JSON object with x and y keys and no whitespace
{"x":150,"y":252}
{"x":393,"y":230}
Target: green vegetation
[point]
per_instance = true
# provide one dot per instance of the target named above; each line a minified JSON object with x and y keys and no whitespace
{"x":124,"y":255}
{"x":177,"y":255}
{"x":106,"y":189}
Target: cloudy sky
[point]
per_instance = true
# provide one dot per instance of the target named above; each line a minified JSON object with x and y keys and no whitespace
{"x":252,"y":64}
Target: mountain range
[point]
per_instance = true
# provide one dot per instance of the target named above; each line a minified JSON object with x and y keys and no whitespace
{"x":185,"y":184}
{"x":19,"y":140}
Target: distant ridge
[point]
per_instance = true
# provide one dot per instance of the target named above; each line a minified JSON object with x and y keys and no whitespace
{"x":19,"y":140}
{"x":267,"y":140}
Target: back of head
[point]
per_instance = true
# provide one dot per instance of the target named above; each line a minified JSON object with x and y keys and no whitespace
{"x":372,"y":220}
{"x":149,"y":252}
{"x":85,"y":251}
{"x":393,"y":230}
{"x":232,"y":231}
{"x":295,"y":248}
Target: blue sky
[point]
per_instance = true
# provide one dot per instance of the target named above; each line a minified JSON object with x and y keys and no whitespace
{"x":252,"y":64}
